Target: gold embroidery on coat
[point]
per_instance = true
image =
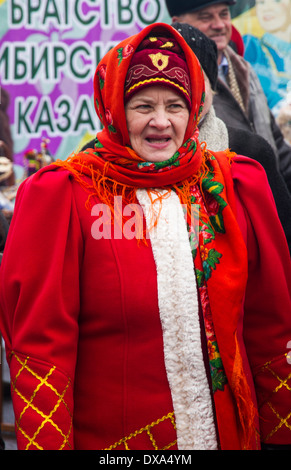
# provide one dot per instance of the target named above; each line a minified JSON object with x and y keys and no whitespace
{"x":282,"y":384}
{"x":28,"y":404}
{"x":147,"y":430}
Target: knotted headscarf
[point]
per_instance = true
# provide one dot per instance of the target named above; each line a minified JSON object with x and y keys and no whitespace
{"x":113,"y":165}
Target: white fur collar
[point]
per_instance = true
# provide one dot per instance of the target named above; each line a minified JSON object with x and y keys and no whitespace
{"x":214,"y":132}
{"x":179,"y":313}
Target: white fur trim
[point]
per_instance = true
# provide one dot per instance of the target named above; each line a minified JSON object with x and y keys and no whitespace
{"x":179,"y":313}
{"x":214,"y":132}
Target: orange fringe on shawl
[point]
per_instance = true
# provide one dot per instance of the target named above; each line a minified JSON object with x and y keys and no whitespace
{"x":106,"y":188}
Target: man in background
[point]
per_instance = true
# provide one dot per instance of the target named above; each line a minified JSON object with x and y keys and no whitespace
{"x":239,"y":100}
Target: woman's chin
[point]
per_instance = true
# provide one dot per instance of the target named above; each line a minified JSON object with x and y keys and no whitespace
{"x":157,"y":155}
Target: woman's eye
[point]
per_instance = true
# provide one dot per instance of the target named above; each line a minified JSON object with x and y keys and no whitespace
{"x":143,"y":107}
{"x":175,"y":106}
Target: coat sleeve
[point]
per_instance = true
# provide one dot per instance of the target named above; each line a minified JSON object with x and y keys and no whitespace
{"x":267,"y":307}
{"x":39,"y":301}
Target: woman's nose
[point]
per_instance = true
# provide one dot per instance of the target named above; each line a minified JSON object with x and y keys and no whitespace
{"x":160,"y":119}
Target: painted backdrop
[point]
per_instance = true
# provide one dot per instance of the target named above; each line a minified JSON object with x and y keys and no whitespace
{"x":266,"y":29}
{"x":48,"y":54}
{"x":49,"y":50}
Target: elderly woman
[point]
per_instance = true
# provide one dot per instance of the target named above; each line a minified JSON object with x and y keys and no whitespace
{"x":125,"y":277}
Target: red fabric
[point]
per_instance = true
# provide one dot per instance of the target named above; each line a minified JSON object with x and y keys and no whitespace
{"x":238,"y":41}
{"x":79,"y":306}
{"x":101,"y":327}
{"x":226,"y":287}
{"x":84,"y":313}
{"x":267,"y":322}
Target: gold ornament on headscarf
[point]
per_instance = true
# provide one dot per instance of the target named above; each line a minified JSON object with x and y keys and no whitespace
{"x":159,"y":60}
{"x":167,"y":45}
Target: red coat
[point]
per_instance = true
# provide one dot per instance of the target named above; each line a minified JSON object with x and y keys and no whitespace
{"x":83,"y":333}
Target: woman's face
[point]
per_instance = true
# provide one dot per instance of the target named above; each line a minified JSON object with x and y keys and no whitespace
{"x":157,"y":119}
{"x":274,"y":15}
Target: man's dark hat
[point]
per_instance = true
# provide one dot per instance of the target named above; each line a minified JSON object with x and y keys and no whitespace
{"x":178,"y":7}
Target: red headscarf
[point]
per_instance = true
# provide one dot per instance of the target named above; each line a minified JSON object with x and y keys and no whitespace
{"x":113,"y":160}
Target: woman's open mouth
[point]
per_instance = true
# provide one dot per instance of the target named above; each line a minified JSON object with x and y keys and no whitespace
{"x":153,"y":140}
